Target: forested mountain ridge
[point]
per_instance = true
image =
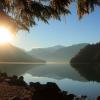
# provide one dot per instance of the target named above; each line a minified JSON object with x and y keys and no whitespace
{"x":89,"y":54}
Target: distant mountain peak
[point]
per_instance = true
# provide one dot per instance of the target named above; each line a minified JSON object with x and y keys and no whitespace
{"x":56,"y":47}
{"x":58,"y":52}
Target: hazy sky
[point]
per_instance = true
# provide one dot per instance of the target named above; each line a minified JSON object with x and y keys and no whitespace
{"x":66,"y":32}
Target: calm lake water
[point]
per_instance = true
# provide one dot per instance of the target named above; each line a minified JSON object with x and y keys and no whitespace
{"x":74,"y":80}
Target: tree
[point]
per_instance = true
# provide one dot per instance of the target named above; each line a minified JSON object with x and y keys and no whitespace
{"x":22,"y":14}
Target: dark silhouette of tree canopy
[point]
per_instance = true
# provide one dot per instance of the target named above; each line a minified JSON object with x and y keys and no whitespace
{"x":22,"y":14}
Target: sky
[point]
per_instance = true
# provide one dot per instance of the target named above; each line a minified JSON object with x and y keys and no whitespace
{"x":70,"y":30}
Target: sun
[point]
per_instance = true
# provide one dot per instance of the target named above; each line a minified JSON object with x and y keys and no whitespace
{"x":5,"y":35}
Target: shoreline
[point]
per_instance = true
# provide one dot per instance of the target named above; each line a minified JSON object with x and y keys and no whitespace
{"x":53,"y":62}
{"x":14,"y":86}
{"x":21,"y":63}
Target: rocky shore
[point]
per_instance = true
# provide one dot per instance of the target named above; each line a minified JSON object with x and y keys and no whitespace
{"x":15,"y":88}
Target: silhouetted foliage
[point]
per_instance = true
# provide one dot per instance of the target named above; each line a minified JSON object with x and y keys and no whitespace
{"x":14,"y":80}
{"x":50,"y":91}
{"x":22,"y":14}
{"x":90,"y":54}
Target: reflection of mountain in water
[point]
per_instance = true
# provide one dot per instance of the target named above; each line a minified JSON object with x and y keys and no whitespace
{"x":60,"y":71}
{"x":90,"y":72}
{"x":15,"y":69}
{"x":50,"y":71}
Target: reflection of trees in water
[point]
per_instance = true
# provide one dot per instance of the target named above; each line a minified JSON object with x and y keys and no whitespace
{"x":16,"y":69}
{"x":89,"y":71}
{"x":87,"y":62}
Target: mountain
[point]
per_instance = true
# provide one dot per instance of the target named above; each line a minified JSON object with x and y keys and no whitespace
{"x":57,"y":53}
{"x":46,"y":50}
{"x":89,"y":54}
{"x":10,"y":53}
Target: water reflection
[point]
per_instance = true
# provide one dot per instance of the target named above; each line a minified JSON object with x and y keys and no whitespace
{"x":72,"y":79}
{"x":47,"y":70}
{"x":81,"y":72}
{"x":56,"y":72}
{"x":91,"y":89}
{"x":15,"y":69}
{"x":91,"y":72}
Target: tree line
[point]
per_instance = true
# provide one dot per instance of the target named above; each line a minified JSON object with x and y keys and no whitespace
{"x":89,"y":54}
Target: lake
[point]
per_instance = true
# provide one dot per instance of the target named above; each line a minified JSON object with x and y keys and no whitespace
{"x":74,"y":80}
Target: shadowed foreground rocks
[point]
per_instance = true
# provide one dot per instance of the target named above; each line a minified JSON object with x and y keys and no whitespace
{"x":49,"y":91}
{"x":15,"y":88}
